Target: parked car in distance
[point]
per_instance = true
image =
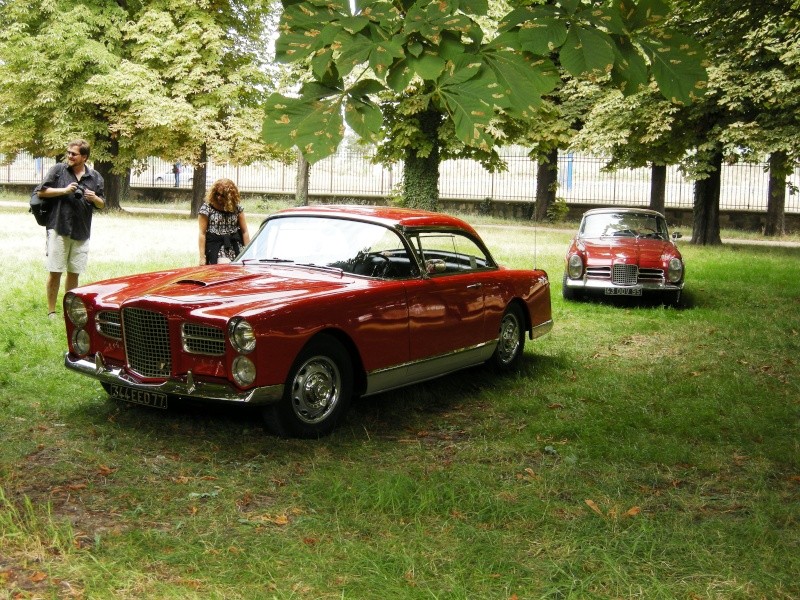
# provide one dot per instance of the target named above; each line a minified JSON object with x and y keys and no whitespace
{"x":326,"y":303}
{"x":624,"y":252}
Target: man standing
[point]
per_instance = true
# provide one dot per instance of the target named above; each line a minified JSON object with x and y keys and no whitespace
{"x":74,"y":191}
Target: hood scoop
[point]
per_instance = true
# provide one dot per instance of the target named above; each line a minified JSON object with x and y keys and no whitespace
{"x":213,"y":277}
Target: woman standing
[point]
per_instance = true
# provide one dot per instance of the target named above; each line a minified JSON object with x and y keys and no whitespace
{"x":223,"y":228}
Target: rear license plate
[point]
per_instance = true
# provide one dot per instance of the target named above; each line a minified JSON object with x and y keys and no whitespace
{"x":624,"y":291}
{"x":143,"y":397}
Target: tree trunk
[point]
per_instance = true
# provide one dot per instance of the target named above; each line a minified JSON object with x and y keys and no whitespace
{"x":199,"y":181}
{"x":658,"y":187}
{"x":776,"y":195}
{"x":546,"y":184}
{"x":113,"y":183}
{"x":421,"y":173}
{"x":301,"y":189}
{"x":706,"y":205}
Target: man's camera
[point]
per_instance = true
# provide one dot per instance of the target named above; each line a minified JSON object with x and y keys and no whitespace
{"x":79,"y":191}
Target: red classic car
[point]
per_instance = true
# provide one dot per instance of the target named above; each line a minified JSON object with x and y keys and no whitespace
{"x":324,"y":304}
{"x":624,"y":252}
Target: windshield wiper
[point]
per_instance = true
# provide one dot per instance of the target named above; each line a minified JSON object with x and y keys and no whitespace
{"x":276,"y":260}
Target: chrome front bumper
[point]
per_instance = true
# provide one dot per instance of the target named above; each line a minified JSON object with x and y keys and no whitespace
{"x":186,"y":387}
{"x":601,"y":284}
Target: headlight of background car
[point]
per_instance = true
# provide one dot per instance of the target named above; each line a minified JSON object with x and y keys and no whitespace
{"x":575,"y":266}
{"x":243,"y":338}
{"x":675,"y":271}
{"x":76,"y":310}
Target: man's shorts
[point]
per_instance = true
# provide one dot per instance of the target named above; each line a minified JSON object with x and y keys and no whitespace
{"x":65,"y":254}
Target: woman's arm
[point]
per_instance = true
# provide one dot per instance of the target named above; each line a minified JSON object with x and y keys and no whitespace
{"x":202,"y":221}
{"x":243,"y":228}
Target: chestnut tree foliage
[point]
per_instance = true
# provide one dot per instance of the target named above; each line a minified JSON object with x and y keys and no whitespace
{"x":448,"y":78}
{"x":750,"y":111}
{"x":168,"y":78}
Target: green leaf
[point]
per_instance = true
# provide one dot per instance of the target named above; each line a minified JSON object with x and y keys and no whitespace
{"x":428,"y":66}
{"x":466,"y":92}
{"x":315,"y":126}
{"x":521,"y":80}
{"x":364,"y":117}
{"x":630,"y":69}
{"x":543,"y":35}
{"x":587,"y":51}
{"x":647,"y":13}
{"x":400,"y":75}
{"x":474,"y":7}
{"x":608,"y":18}
{"x":677,"y":65}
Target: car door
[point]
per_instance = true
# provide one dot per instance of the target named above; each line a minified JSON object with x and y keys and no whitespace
{"x":446,"y":308}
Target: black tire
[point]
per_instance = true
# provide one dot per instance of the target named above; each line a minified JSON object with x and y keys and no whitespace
{"x":317,"y":393}
{"x":511,"y":341}
{"x":567,"y":292}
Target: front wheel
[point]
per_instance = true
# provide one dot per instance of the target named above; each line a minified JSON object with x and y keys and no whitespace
{"x":317,"y":393}
{"x":511,"y":342}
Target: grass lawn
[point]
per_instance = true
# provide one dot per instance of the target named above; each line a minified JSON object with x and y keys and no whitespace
{"x":641,"y":452}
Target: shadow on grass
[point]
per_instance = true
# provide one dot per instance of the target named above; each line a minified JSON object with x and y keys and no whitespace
{"x":387,"y":415}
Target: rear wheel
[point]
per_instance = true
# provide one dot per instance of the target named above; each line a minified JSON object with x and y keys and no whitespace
{"x":511,"y":342}
{"x":317,"y":392}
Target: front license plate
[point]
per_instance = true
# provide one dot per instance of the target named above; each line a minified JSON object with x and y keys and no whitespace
{"x":624,"y":291}
{"x":143,"y":397}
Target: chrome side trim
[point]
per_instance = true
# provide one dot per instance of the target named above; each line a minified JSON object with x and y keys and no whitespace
{"x":383,"y":380}
{"x":190,"y":388}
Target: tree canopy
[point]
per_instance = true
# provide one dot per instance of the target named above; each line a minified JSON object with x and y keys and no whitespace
{"x":434,"y":67}
{"x":136,"y":79}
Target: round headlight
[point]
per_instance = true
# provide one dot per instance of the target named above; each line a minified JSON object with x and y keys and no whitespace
{"x":675,"y":270}
{"x":80,"y":342}
{"x":575,"y":266}
{"x":244,"y":371}
{"x":76,"y":310}
{"x":243,"y":338}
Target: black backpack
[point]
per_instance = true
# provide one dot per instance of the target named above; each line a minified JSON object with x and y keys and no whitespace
{"x":40,"y":207}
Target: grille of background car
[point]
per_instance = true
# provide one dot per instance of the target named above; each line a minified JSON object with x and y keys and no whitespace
{"x":651,"y":274}
{"x":147,"y":342}
{"x":624,"y":274}
{"x":203,"y":339}
{"x":108,"y":324}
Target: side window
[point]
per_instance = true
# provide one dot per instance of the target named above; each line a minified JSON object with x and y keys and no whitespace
{"x":451,"y":252}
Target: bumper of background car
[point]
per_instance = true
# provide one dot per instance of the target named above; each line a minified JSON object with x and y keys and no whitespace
{"x":599,"y":285}
{"x":185,"y":387}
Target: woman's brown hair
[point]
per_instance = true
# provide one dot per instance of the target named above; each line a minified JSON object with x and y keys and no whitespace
{"x":223,"y":195}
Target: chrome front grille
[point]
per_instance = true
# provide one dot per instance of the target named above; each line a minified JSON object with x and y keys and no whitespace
{"x":147,"y":342}
{"x":623,"y":274}
{"x":203,"y":339}
{"x":651,"y":275}
{"x":108,"y":324}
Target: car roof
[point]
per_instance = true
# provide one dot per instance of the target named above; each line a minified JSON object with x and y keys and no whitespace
{"x":638,"y":211}
{"x":389,"y":216}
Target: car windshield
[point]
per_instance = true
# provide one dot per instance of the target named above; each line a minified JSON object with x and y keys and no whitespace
{"x":624,"y":224}
{"x":347,"y":245}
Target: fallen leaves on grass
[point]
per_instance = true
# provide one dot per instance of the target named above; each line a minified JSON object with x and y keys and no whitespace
{"x":613,"y":512}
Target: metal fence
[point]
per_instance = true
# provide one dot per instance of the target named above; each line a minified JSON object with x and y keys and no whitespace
{"x":350,"y":173}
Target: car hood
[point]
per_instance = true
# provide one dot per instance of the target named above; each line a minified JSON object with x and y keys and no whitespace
{"x":232,"y":288}
{"x":629,"y":250}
